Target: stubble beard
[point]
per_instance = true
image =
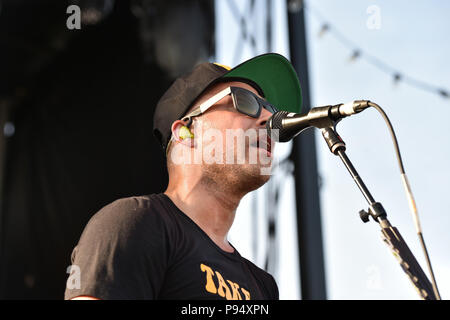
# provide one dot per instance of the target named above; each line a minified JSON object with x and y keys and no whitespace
{"x":238,"y":179}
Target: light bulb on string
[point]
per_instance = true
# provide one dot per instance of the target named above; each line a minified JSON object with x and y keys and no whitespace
{"x":397,"y":78}
{"x":444,"y":93}
{"x":355,"y":55}
{"x":324,"y":29}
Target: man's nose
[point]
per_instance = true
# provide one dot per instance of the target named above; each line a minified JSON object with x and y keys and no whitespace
{"x":263,"y":117}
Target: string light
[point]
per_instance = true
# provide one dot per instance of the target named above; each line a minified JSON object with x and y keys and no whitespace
{"x":443,"y":93}
{"x":357,"y":53}
{"x":323,"y":30}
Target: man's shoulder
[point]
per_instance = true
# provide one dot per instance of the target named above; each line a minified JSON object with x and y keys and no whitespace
{"x":135,"y":204}
{"x":123,"y":244}
{"x":265,"y":279}
{"x":132,"y":211}
{"x":257,"y":270}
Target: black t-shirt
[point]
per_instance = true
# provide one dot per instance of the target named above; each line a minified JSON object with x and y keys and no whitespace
{"x":146,"y":248}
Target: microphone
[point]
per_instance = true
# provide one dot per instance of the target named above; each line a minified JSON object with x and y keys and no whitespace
{"x":291,"y":124}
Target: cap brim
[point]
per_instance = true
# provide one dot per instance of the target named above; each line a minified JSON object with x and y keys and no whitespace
{"x":276,"y":77}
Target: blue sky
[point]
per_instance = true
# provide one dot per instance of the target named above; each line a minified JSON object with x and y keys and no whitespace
{"x":413,"y":38}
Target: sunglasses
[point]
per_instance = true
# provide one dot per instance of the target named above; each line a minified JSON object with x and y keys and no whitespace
{"x":244,"y":101}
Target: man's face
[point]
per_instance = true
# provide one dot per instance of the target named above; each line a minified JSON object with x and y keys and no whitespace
{"x":233,"y":144}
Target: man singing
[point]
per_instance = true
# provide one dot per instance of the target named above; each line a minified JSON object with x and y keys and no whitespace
{"x":211,"y":126}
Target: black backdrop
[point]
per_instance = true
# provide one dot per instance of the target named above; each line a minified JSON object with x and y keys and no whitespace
{"x":83,"y":138}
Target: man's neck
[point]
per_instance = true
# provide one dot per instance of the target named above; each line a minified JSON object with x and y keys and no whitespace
{"x":209,"y":205}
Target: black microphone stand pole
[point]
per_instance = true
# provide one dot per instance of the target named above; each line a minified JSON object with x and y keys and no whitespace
{"x":390,"y":234}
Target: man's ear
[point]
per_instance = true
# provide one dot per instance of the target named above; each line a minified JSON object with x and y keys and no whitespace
{"x":181,"y":133}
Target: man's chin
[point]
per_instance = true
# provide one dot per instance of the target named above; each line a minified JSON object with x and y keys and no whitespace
{"x":252,"y":175}
{"x":239,"y":178}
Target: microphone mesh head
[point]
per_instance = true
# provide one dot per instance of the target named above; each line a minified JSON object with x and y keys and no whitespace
{"x":275,"y":122}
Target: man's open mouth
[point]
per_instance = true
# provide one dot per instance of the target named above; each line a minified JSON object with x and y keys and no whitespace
{"x":264,"y":143}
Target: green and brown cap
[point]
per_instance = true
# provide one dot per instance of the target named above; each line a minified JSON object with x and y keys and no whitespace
{"x":271,"y":74}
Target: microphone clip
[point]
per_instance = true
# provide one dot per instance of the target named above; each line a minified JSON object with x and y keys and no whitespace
{"x":333,"y":140}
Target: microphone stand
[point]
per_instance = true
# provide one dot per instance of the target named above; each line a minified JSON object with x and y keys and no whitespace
{"x":390,"y":234}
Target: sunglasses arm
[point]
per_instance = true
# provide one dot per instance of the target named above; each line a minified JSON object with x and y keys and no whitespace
{"x":214,"y":99}
{"x":206,"y":105}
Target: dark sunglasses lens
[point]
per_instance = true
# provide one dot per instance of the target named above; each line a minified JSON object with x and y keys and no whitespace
{"x":247,"y":103}
{"x":270,"y":108}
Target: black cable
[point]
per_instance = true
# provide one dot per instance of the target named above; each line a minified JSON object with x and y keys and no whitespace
{"x":393,"y":136}
{"x":410,"y":197}
{"x":430,"y":268}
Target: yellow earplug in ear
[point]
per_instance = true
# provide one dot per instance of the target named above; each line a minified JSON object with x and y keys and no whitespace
{"x":185,"y":133}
